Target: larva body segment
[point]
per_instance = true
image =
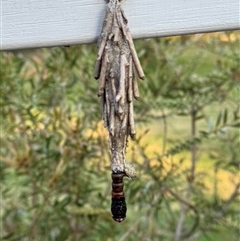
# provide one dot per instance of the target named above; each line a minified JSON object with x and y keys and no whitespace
{"x":118,"y":206}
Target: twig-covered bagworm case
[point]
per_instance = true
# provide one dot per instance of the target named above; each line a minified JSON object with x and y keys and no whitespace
{"x":115,"y":69}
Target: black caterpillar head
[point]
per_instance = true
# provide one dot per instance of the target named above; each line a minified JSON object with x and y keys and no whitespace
{"x":118,"y":209}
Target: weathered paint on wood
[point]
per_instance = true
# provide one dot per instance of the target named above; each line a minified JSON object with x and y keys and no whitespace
{"x":46,"y":23}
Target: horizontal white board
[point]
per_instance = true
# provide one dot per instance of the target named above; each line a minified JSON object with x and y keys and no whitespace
{"x":46,"y":23}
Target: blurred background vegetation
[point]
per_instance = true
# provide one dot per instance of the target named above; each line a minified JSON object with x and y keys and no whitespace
{"x":55,"y":170}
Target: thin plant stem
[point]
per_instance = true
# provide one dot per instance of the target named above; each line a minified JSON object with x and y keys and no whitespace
{"x":184,"y":208}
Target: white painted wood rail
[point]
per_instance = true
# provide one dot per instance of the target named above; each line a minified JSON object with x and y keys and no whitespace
{"x":46,"y":23}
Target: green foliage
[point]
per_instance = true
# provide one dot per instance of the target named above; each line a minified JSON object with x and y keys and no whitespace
{"x":54,"y":153}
